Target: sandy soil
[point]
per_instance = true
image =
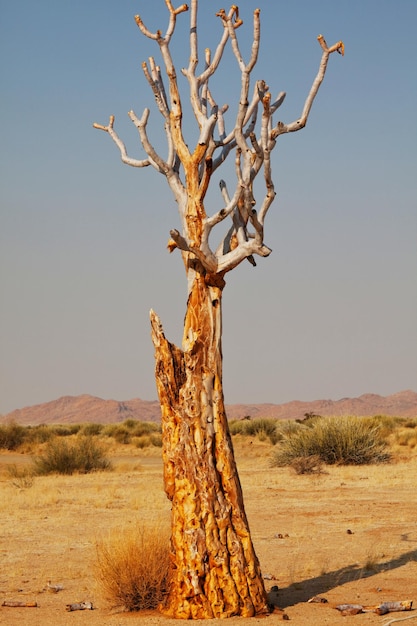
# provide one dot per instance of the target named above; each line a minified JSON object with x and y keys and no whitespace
{"x":349,"y":535}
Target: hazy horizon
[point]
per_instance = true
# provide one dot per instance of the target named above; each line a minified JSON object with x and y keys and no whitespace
{"x":311,"y":401}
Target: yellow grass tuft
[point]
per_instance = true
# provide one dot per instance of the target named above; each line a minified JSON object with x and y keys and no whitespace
{"x":132,"y":567}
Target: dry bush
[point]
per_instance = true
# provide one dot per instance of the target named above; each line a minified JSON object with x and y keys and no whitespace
{"x":83,"y":455}
{"x":406,"y":436}
{"x":92,"y":429}
{"x":262,"y":428}
{"x":130,"y":430}
{"x":142,"y":442}
{"x":21,"y":478}
{"x":132,"y":567}
{"x":387,"y":424}
{"x":12,"y":435}
{"x":307,"y":464}
{"x":147,"y":441}
{"x":336,"y":440}
{"x":156,"y":440}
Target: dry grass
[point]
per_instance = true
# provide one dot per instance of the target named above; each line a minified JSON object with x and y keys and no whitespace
{"x":84,"y":454}
{"x":344,"y":440}
{"x":132,"y":567}
{"x":51,"y":528}
{"x":307,"y":464}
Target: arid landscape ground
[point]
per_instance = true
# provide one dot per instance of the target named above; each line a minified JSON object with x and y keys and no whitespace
{"x":348,"y":534}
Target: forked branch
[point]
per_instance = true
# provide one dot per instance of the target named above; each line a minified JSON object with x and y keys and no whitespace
{"x":302,"y":121}
{"x":119,"y":143}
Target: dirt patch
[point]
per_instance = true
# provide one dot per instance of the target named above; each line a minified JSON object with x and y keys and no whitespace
{"x":349,"y":535}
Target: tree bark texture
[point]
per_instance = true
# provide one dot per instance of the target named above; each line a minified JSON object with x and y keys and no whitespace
{"x":215,"y":571}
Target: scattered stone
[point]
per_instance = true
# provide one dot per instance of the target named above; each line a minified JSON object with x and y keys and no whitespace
{"x":79,"y":606}
{"x":53,"y":588}
{"x":350,"y":609}
{"x":318,"y":599}
{"x":273,"y":599}
{"x":379,"y":609}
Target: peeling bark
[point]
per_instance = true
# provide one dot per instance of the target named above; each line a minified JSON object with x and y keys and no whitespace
{"x":215,"y":571}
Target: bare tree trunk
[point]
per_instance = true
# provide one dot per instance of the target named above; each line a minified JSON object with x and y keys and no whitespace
{"x":215,"y":571}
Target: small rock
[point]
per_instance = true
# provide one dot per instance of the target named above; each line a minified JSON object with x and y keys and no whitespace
{"x":79,"y":606}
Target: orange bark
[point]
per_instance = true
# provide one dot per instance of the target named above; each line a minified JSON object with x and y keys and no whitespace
{"x":215,"y":571}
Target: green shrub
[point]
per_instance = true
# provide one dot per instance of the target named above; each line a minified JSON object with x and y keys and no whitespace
{"x":84,"y":455}
{"x":335,"y":440}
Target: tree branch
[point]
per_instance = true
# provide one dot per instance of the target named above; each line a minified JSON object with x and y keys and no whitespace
{"x":282,"y":128}
{"x":154,"y":158}
{"x":253,"y":143}
{"x":122,"y":148}
{"x":154,"y":79}
{"x":171,"y":25}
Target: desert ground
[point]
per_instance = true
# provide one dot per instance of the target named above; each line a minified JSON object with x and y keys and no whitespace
{"x":348,"y":535}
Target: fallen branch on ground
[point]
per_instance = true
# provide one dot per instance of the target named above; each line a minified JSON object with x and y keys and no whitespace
{"x":379,"y":609}
{"x":15,"y":603}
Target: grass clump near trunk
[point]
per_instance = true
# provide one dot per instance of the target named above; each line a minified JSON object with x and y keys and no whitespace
{"x":132,"y":568}
{"x":83,"y":455}
{"x":335,"y":440}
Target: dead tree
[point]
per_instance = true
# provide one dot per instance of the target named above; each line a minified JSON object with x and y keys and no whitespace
{"x":215,"y":571}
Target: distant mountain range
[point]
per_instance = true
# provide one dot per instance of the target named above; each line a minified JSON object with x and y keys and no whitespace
{"x":85,"y":408}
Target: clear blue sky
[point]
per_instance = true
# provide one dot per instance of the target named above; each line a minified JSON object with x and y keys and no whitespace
{"x":331,"y":313}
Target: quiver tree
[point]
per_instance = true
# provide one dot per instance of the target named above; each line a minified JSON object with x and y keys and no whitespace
{"x":215,"y":571}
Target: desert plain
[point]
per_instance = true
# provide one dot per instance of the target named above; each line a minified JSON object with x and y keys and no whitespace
{"x":348,"y":535}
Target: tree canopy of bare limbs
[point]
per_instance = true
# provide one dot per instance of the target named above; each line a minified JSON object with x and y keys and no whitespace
{"x":215,"y":571}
